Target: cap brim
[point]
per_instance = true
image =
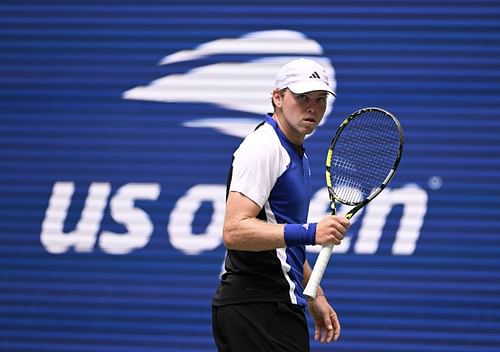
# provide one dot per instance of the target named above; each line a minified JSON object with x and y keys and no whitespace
{"x":304,"y":87}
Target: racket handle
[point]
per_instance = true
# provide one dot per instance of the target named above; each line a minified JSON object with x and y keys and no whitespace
{"x":318,"y":271}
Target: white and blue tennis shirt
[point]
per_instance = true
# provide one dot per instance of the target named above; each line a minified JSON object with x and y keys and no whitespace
{"x":275,"y":174}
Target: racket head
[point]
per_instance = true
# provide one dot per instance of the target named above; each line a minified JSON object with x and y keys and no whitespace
{"x":363,"y":156}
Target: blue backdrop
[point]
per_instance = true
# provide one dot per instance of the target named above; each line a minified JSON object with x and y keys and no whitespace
{"x":117,"y":124}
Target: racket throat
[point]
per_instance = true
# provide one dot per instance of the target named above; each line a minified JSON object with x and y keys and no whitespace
{"x":333,"y":206}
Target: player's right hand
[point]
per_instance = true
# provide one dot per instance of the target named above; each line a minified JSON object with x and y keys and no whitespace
{"x":331,"y":230}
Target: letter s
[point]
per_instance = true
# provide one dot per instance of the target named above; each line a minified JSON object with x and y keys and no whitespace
{"x":136,"y":221}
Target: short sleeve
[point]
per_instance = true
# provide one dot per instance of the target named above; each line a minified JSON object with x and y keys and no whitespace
{"x":258,"y":162}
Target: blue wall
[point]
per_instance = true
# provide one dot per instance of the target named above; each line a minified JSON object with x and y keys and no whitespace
{"x":117,"y":123}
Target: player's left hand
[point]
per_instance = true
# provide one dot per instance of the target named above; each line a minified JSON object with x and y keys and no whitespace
{"x":326,"y":322}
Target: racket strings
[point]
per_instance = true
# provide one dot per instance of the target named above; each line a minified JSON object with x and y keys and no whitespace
{"x":363,"y":156}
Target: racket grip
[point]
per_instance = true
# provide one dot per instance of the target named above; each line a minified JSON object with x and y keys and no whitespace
{"x":318,"y":271}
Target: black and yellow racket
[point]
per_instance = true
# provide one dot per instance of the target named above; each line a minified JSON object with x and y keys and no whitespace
{"x":362,"y":159}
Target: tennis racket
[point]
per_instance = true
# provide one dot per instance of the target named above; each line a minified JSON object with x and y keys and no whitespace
{"x":362,"y":159}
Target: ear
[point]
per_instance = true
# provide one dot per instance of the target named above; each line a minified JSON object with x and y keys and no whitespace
{"x":277,"y":98}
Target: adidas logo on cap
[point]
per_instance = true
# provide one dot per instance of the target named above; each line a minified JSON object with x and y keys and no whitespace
{"x":315,"y":75}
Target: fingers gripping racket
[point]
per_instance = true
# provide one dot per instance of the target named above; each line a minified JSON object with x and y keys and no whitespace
{"x":362,"y":159}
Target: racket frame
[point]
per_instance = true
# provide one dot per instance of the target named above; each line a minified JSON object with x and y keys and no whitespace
{"x":326,"y":251}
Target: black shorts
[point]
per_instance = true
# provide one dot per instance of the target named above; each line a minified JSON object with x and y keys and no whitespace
{"x":262,"y":327}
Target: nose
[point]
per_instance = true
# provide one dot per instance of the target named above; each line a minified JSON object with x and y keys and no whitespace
{"x":311,"y":107}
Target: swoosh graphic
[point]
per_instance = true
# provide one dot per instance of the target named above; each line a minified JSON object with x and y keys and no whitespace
{"x":263,"y":42}
{"x":241,"y":86}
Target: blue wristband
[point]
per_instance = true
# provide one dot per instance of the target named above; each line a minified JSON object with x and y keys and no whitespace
{"x":300,"y":234}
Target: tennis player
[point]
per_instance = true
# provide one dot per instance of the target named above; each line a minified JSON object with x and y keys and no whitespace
{"x":259,"y":305}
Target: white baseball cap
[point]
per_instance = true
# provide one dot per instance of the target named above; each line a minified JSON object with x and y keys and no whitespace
{"x":302,"y":76}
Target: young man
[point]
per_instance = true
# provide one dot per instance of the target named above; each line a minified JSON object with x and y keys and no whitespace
{"x":259,"y":305}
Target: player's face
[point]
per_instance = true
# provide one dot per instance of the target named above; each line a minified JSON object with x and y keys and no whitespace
{"x":301,"y":113}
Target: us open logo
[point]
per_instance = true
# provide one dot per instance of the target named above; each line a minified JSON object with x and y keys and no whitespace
{"x":239,"y":86}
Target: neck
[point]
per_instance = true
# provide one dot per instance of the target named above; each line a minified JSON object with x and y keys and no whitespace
{"x":292,"y":136}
